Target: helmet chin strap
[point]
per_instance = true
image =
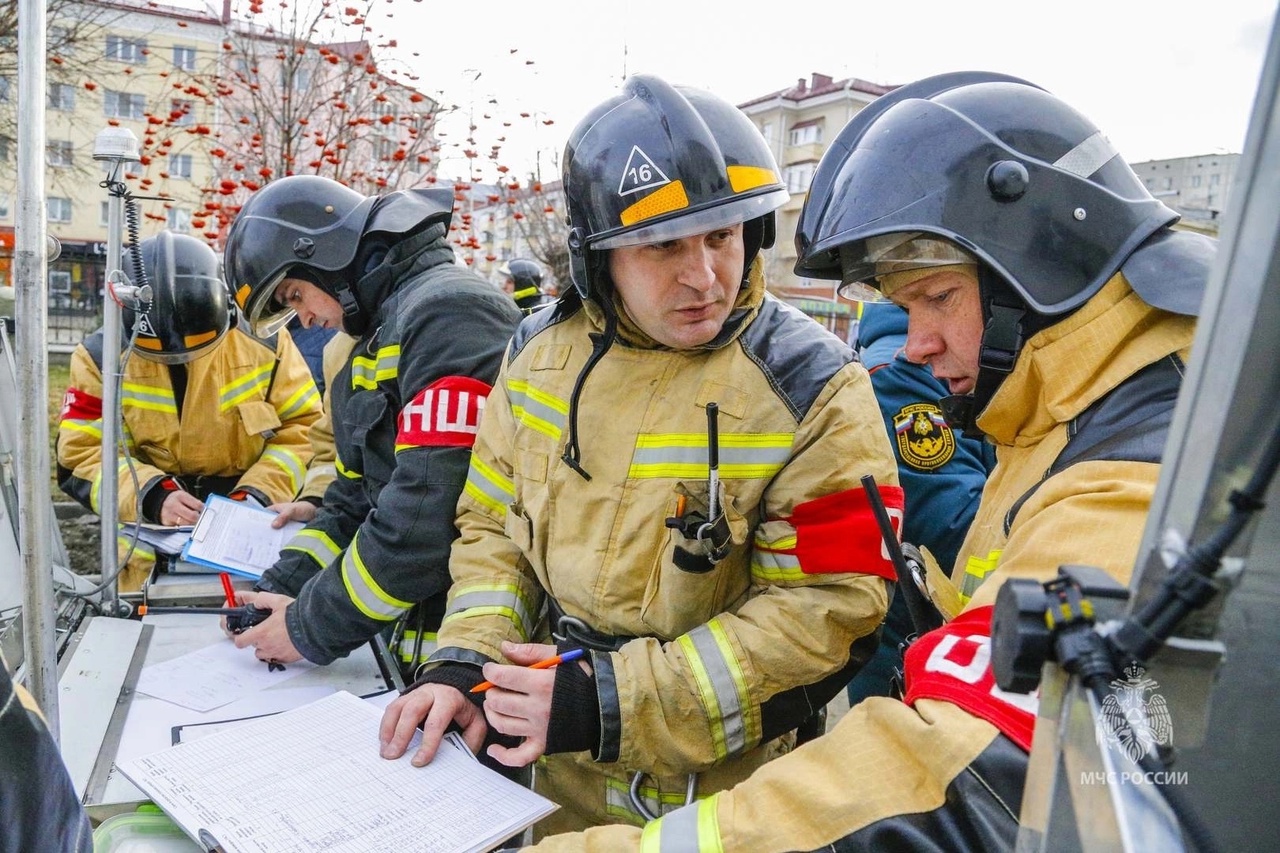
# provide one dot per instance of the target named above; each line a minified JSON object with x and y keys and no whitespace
{"x":1002,"y":340}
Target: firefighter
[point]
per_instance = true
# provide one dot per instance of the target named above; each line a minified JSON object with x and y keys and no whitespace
{"x":669,"y":464}
{"x":208,"y":408}
{"x":942,"y":472}
{"x":522,"y":281}
{"x":429,"y":337}
{"x":1047,"y":289}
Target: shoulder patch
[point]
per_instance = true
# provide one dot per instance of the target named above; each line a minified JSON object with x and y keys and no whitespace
{"x":924,"y":440}
{"x":444,"y":414}
{"x":80,"y":406}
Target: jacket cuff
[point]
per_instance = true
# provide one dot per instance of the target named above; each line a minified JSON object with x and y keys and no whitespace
{"x":153,"y":495}
{"x":460,"y":676}
{"x":574,"y":725}
{"x":298,"y":636}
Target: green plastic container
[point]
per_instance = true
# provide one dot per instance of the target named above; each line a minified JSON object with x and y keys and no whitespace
{"x":142,"y":832}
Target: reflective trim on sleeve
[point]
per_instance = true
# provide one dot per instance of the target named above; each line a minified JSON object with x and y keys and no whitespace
{"x":976,"y":570}
{"x":489,"y":488}
{"x":243,"y":387}
{"x":368,"y":372}
{"x":316,"y":544}
{"x":721,"y":687}
{"x":365,"y":593}
{"x":147,"y":397}
{"x":404,"y":649}
{"x":504,"y":600}
{"x":695,"y":828}
{"x":776,"y":561}
{"x":141,"y":550}
{"x":344,"y":470}
{"x":290,"y":462}
{"x":305,"y":398}
{"x":93,"y":428}
{"x":536,"y":409}
{"x":743,"y":456}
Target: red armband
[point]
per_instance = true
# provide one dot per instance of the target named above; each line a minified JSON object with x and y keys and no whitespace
{"x":79,"y":406}
{"x":444,"y":414}
{"x":953,"y":663}
{"x":838,"y":533}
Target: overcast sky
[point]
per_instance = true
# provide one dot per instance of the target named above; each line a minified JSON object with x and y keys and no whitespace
{"x":1162,"y":79}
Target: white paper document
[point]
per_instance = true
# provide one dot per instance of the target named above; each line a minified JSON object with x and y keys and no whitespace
{"x":237,"y":536}
{"x":166,"y":540}
{"x":312,"y":779}
{"x":213,"y":676}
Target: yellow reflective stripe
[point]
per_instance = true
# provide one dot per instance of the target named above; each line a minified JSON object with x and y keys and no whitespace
{"x":504,"y":599}
{"x":489,"y":488}
{"x":368,"y":372}
{"x":684,"y":455}
{"x":536,"y":409}
{"x":316,"y":544}
{"x":365,"y":593}
{"x":344,"y":470}
{"x":405,"y":648}
{"x":240,"y":389}
{"x":617,"y":801}
{"x":93,"y":428}
{"x":692,"y":829}
{"x":776,"y":561}
{"x":722,"y":687}
{"x":306,"y":397}
{"x":147,"y":397}
{"x":976,"y":570}
{"x":141,"y":549}
{"x":290,"y":462}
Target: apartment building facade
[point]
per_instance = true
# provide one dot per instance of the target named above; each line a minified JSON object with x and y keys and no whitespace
{"x":1197,"y":187}
{"x":181,"y":81}
{"x":799,"y":123}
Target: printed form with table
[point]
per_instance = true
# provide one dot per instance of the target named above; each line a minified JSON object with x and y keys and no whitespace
{"x":246,"y":757}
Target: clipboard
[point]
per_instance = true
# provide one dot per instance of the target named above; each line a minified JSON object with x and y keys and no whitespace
{"x":237,"y":536}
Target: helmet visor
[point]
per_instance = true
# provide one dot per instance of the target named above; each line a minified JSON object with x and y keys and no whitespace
{"x":698,"y":222}
{"x":266,"y":316}
{"x":863,"y":262}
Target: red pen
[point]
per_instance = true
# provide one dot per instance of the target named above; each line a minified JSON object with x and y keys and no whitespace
{"x":572,"y":654}
{"x":228,"y":589}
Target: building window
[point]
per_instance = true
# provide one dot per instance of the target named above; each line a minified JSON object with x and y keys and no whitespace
{"x":180,"y":166}
{"x":180,"y":220}
{"x":59,"y":153}
{"x":798,"y":177}
{"x":384,"y":108}
{"x":104,"y":213}
{"x":1168,"y":183}
{"x":767,"y":130}
{"x":182,"y":113}
{"x":1195,"y":180}
{"x":124,"y":49}
{"x":804,"y":135}
{"x":59,"y":209}
{"x":385,"y":149}
{"x":1214,"y":179}
{"x":62,"y":97}
{"x":122,"y":105}
{"x":4,"y":207}
{"x":184,"y":58}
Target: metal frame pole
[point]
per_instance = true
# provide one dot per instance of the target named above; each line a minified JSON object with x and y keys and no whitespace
{"x":31,"y":307}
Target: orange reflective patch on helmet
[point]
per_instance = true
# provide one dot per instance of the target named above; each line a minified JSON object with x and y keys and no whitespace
{"x":669,"y":198}
{"x":242,"y":296}
{"x":745,"y":178}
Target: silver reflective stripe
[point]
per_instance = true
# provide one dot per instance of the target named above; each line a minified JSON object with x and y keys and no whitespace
{"x":289,"y":461}
{"x":1087,"y":157}
{"x":691,"y":829}
{"x":718,"y":682}
{"x":503,"y":600}
{"x":364,"y":591}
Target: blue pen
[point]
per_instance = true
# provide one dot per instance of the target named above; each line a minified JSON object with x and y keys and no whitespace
{"x":565,"y":657}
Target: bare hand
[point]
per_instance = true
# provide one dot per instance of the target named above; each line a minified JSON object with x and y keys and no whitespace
{"x":270,"y":638}
{"x":433,"y":706}
{"x":180,"y":508}
{"x":519,"y":703}
{"x":303,"y":511}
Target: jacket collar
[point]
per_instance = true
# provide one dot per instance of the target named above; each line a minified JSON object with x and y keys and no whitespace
{"x":1065,"y":368}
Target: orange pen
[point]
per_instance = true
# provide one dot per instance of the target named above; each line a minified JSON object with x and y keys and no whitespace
{"x":572,"y":654}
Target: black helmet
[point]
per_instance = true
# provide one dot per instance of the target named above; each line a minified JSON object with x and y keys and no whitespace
{"x":190,"y":308}
{"x":658,"y":162}
{"x":526,"y":275}
{"x":1007,"y":173}
{"x":303,"y":223}
{"x":994,"y":164}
